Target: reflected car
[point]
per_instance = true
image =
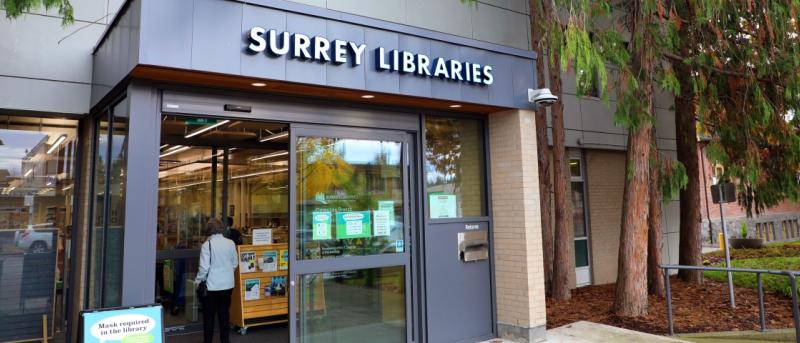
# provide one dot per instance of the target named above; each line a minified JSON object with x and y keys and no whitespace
{"x":35,"y":241}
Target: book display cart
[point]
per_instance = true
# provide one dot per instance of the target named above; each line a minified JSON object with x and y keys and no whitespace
{"x":260,"y":293}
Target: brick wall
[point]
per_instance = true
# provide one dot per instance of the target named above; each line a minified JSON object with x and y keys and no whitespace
{"x":605,"y":177}
{"x":517,"y":227}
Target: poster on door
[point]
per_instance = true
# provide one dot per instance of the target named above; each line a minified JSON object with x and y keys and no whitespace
{"x":321,"y":225}
{"x":142,"y":324}
{"x":353,"y":225}
{"x":443,"y":206}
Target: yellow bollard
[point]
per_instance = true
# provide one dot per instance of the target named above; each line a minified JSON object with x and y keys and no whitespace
{"x":721,"y":240}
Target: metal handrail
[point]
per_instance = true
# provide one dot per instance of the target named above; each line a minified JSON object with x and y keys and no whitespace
{"x":792,"y":275}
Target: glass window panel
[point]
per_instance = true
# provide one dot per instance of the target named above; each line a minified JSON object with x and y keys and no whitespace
{"x":578,"y":214}
{"x":36,"y":196}
{"x":116,"y":206}
{"x":98,"y":211}
{"x":581,"y":253}
{"x":454,"y":167}
{"x":575,"y":167}
{"x":348,"y":306}
{"x":349,"y":197}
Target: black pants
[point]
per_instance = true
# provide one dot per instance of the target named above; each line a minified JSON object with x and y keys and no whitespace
{"x":217,"y":304}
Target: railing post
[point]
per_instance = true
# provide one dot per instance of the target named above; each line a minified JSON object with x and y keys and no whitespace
{"x":761,"y":316}
{"x":795,"y":310}
{"x":669,"y":302}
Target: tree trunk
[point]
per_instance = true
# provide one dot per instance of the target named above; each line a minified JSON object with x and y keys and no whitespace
{"x":564,"y":256}
{"x":655,"y":276}
{"x":631,"y":292}
{"x":690,"y":245}
{"x":542,"y":152}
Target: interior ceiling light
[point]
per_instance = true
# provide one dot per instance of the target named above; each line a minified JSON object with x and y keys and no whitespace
{"x":55,"y":145}
{"x":258,"y":84}
{"x":367,"y":96}
{"x":27,"y":173}
{"x":206,"y":129}
{"x":455,"y":106}
{"x":174,"y":150}
{"x":272,"y":155}
{"x":275,"y":136}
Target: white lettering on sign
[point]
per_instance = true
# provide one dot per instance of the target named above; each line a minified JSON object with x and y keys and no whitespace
{"x":302,"y":47}
{"x":472,"y":227}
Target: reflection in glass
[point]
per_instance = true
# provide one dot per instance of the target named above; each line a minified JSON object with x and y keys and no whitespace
{"x":454,"y":165}
{"x":578,"y":215}
{"x":191,"y":189}
{"x":581,"y":253}
{"x":349,"y":196}
{"x":37,"y":171}
{"x":353,"y":306}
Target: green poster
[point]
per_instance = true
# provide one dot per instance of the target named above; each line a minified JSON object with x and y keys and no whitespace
{"x":321,"y":225}
{"x":442,"y":206}
{"x":387,"y":205}
{"x":352,"y":224}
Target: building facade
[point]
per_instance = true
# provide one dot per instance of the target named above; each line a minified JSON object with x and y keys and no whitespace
{"x":382,"y":146}
{"x":128,"y":130}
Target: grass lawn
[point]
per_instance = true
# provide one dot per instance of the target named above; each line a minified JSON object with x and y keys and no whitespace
{"x":772,"y":283}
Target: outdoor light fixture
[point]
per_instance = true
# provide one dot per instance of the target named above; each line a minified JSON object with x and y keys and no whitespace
{"x":174,"y":150}
{"x":367,"y":96}
{"x":55,"y":145}
{"x":27,"y":173}
{"x":275,"y":136}
{"x":205,"y":129}
{"x":267,"y":156}
{"x":455,"y":106}
{"x":258,"y":84}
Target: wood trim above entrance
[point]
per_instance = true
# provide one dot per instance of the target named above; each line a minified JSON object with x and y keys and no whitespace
{"x":187,"y":77}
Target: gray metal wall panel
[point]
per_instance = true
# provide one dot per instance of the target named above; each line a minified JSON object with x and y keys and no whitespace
{"x":346,"y":75}
{"x":43,"y":95}
{"x":503,"y":92}
{"x":262,"y":64}
{"x":385,"y":82}
{"x":169,"y":30}
{"x":216,"y":26}
{"x":299,"y":70}
{"x":119,"y":53}
{"x":522,"y":69}
{"x":411,"y":84}
{"x":447,"y":89}
{"x":218,"y":36}
{"x":144,"y":127}
{"x":278,"y":109}
{"x":476,"y":93}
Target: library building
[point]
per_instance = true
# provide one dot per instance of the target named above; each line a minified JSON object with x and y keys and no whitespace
{"x":379,"y":181}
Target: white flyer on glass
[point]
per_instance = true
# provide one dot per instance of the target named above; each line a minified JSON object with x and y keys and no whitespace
{"x":262,"y":236}
{"x":381,"y":223}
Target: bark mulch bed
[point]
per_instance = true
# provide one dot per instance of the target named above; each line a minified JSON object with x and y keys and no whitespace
{"x":695,"y":308}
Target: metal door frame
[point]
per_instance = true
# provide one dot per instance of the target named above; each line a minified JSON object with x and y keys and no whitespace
{"x":302,"y":267}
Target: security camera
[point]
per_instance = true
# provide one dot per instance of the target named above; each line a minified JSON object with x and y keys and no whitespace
{"x":541,"y":97}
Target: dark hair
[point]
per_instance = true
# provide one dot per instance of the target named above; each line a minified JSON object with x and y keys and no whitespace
{"x":214,"y":226}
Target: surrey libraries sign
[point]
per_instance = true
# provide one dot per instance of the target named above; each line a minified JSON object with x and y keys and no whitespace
{"x":300,"y":46}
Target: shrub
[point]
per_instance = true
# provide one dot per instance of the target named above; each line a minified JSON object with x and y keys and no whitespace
{"x":772,"y":283}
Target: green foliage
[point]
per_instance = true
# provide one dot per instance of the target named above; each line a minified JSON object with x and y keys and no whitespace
{"x":772,"y":283}
{"x":15,"y":8}
{"x":672,"y":178}
{"x":743,"y":230}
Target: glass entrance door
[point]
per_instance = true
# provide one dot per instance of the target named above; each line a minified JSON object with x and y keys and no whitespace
{"x":349,"y":261}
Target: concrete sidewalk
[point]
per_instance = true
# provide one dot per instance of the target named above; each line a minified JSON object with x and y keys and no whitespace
{"x":588,"y":332}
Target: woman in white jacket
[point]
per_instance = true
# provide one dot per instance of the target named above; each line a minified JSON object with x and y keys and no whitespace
{"x":217,"y":263}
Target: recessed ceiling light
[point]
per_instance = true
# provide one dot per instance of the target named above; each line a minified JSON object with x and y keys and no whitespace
{"x":367,"y":96}
{"x":455,"y":106}
{"x":258,"y":84}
